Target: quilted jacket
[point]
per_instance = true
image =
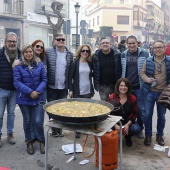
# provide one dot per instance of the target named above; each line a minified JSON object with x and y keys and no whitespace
{"x":27,"y":81}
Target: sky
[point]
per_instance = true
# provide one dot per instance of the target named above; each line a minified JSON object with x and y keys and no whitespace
{"x":157,"y":2}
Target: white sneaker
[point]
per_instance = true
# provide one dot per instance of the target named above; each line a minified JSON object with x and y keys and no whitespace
{"x":169,"y":153}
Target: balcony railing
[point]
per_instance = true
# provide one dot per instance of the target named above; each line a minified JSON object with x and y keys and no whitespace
{"x":14,"y":6}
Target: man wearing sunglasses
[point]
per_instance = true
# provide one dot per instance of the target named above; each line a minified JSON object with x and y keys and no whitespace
{"x":156,"y":76}
{"x":8,"y":54}
{"x":58,"y":64}
{"x":107,"y":68}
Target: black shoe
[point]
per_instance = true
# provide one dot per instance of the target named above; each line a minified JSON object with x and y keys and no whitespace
{"x":30,"y":148}
{"x":54,"y":132}
{"x":78,"y":134}
{"x":147,"y":141}
{"x":60,"y":132}
{"x":42,"y":147}
{"x":160,"y":140}
{"x":128,"y":140}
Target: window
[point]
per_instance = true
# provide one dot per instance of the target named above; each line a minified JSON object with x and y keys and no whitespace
{"x":74,"y":40}
{"x":89,"y":23}
{"x":140,"y":16}
{"x":144,"y":17}
{"x":14,"y":6}
{"x":93,"y":22}
{"x":122,"y":38}
{"x":135,"y":16}
{"x":108,"y":1}
{"x":122,"y":2}
{"x":7,"y":5}
{"x":98,"y":20}
{"x":123,"y":20}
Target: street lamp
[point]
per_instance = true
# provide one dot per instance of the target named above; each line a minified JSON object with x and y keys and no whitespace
{"x":148,"y":28}
{"x":77,"y":8}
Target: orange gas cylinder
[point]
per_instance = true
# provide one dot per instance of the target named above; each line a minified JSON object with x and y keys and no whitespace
{"x":110,"y":144}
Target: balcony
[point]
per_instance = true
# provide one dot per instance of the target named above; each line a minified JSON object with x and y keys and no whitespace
{"x":150,"y":15}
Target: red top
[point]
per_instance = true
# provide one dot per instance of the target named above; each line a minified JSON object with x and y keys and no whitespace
{"x":128,"y":110}
{"x":167,"y":52}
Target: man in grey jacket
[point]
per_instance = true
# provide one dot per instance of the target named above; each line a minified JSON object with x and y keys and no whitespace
{"x":58,"y":60}
{"x":132,"y":61}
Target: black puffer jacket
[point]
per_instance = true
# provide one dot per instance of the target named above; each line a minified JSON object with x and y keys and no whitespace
{"x":51,"y":56}
{"x":96,"y":67}
{"x":6,"y":71}
{"x":121,"y":47}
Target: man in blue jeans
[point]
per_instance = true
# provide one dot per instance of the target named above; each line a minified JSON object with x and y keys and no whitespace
{"x":58,"y":60}
{"x":156,"y":75}
{"x":8,"y":54}
{"x":132,"y":61}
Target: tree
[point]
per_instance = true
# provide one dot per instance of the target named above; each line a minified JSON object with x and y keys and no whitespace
{"x":56,"y":7}
{"x":106,"y":31}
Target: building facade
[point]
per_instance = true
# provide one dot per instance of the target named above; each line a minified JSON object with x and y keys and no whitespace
{"x":155,"y":21}
{"x":142,"y":18}
{"x":166,"y":8}
{"x":11,"y":19}
{"x":27,"y":20}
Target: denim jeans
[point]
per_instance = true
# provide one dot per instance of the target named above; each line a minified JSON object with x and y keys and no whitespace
{"x":105,"y":91}
{"x":140,"y":103}
{"x":33,"y":116}
{"x":7,"y":100}
{"x":150,"y":100}
{"x":134,"y":129}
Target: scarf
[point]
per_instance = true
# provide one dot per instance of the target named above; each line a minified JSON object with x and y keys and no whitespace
{"x":11,"y":56}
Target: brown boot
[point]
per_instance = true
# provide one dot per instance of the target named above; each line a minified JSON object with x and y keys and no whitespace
{"x":11,"y":139}
{"x":42,"y":147}
{"x":30,"y":148}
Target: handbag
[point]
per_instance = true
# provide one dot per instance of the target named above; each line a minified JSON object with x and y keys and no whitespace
{"x":164,"y":97}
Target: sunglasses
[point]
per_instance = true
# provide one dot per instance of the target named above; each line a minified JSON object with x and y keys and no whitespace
{"x":60,"y":39}
{"x":9,"y":41}
{"x":39,"y":46}
{"x":87,"y":51}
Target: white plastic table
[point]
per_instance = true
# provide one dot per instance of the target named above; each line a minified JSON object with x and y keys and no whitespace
{"x":104,"y":126}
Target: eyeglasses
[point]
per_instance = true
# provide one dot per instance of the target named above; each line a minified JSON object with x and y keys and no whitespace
{"x":133,"y":43}
{"x":105,"y":42}
{"x":9,"y":41}
{"x":158,"y":48}
{"x":60,"y":39}
{"x":87,"y":51}
{"x":39,"y":46}
{"x":159,"y":68}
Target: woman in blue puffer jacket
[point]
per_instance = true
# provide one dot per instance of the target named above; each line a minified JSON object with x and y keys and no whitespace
{"x":30,"y":80}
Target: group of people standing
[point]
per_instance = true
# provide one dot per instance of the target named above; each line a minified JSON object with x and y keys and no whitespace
{"x":35,"y":74}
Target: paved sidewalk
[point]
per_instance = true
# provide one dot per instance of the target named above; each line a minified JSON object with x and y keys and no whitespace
{"x":137,"y":157}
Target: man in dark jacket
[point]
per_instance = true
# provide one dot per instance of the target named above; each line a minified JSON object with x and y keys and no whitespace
{"x":106,"y":69}
{"x":7,"y":91}
{"x":58,"y":64}
{"x":122,"y":46}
